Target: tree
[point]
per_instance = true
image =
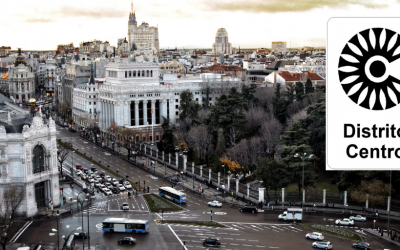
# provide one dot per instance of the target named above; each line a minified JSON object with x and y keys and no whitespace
{"x":309,"y":87}
{"x":232,"y":165}
{"x":299,"y":91}
{"x":289,"y":94}
{"x":9,"y":203}
{"x":200,"y":140}
{"x":272,"y":173}
{"x":188,"y":108}
{"x":62,"y":154}
{"x":377,"y":192}
{"x":167,"y":138}
{"x":248,"y":91}
{"x":295,"y":135}
{"x":270,"y":134}
{"x":279,"y":105}
{"x":221,"y":147}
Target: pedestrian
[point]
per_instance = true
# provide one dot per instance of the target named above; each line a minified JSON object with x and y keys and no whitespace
{"x":314,"y":207}
{"x":147,"y":189}
{"x":268,"y":205}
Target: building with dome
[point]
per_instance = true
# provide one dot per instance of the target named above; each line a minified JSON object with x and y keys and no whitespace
{"x":142,"y":37}
{"x":21,"y":80}
{"x":28,"y":158}
{"x":222,"y":44}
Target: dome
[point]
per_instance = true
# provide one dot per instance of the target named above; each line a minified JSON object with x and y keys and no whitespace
{"x":20,"y":59}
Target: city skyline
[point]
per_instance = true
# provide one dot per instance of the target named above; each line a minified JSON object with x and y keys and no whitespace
{"x":43,"y":24}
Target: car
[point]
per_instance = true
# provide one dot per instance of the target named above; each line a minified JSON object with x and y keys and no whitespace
{"x":78,"y":166}
{"x":81,"y":235}
{"x":91,"y":180}
{"x":115,"y":190}
{"x":98,"y":178}
{"x":121,"y":187}
{"x":86,"y":171}
{"x":322,"y":244}
{"x":125,"y":206}
{"x":358,"y":218}
{"x":127,"y":185}
{"x":102,"y":187}
{"x":102,"y":175}
{"x":107,"y":178}
{"x":83,"y":176}
{"x":108,"y":185}
{"x":250,"y":209}
{"x":214,"y":204}
{"x":344,"y":222}
{"x":126,"y":240}
{"x":94,"y":170}
{"x":211,"y":242}
{"x":362,"y":245}
{"x":114,"y":181}
{"x":107,"y":191}
{"x":97,"y":184}
{"x":121,"y":180}
{"x":314,"y":236}
{"x":79,"y":173}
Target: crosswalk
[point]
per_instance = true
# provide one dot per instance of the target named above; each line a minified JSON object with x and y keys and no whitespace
{"x":98,"y":207}
{"x":258,"y":227}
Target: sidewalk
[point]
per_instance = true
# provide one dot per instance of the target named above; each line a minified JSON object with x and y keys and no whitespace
{"x":385,"y":235}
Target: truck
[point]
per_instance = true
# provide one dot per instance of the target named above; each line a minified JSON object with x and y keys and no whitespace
{"x":292,"y":214}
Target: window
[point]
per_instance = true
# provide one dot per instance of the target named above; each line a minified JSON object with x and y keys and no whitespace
{"x":38,"y":159}
{"x":177,"y":113}
{"x":94,"y":89}
{"x":90,"y":103}
{"x":177,"y":106}
{"x":94,"y":103}
{"x":176,"y":100}
{"x":94,"y":96}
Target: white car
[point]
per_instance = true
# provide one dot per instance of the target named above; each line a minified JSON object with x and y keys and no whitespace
{"x":127,"y":185}
{"x":344,"y":222}
{"x":358,"y":218}
{"x":114,"y":182}
{"x":97,"y":184}
{"x":107,"y":191}
{"x":79,"y":172}
{"x":83,"y":176}
{"x":109,"y":186}
{"x":125,"y":206}
{"x":314,"y":236}
{"x":91,"y":180}
{"x":107,"y":178}
{"x":322,"y":244}
{"x":121,"y":187}
{"x":102,"y":187}
{"x":98,"y":178}
{"x":214,"y":204}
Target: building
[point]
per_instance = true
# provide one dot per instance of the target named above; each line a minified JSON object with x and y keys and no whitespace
{"x":142,"y":37}
{"x":76,"y":73}
{"x":172,"y":67}
{"x":28,"y":152}
{"x":227,"y":70}
{"x":287,"y":78}
{"x":122,"y":46}
{"x":278,"y":47}
{"x":65,"y":48}
{"x":133,"y":97}
{"x":5,"y":50}
{"x":21,"y":80}
{"x":222,"y":44}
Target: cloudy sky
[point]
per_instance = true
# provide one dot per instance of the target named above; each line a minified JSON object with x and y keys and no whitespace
{"x":43,"y":24}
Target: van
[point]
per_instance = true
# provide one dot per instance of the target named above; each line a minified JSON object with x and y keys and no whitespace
{"x":79,"y":166}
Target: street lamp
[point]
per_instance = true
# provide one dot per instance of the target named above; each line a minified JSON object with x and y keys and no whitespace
{"x":390,"y":204}
{"x":72,"y":167}
{"x":81,"y":202}
{"x":223,"y":166}
{"x":304,"y":157}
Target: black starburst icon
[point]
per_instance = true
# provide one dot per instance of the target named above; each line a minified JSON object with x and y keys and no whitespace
{"x":370,"y":69}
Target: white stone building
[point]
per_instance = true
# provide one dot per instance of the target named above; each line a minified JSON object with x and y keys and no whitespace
{"x":21,"y":80}
{"x":278,"y":47}
{"x":28,"y":158}
{"x":142,"y":37}
{"x":222,"y":44}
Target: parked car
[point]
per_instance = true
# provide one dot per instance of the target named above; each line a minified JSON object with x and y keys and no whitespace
{"x":362,"y":245}
{"x":122,"y":180}
{"x":81,"y":235}
{"x":97,"y":184}
{"x":121,"y":187}
{"x":322,"y":244}
{"x":211,"y":242}
{"x":107,"y":191}
{"x":250,"y":209}
{"x":315,"y":236}
{"x":344,"y":222}
{"x":102,"y":187}
{"x":127,"y":185}
{"x":125,"y":206}
{"x":79,"y":166}
{"x":126,"y":240}
{"x":115,"y":190}
{"x":107,"y":178}
{"x":114,"y":181}
{"x":214,"y":204}
{"x":358,"y":218}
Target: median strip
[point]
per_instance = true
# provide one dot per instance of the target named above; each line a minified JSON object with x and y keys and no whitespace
{"x":332,"y":231}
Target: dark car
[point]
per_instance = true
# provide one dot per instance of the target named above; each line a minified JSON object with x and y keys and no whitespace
{"x":102,"y":174}
{"x":126,"y":240}
{"x":211,"y":242}
{"x":93,"y":169}
{"x":249,"y":209}
{"x":85,"y":170}
{"x":115,"y":190}
{"x":78,"y":166}
{"x":121,"y":181}
{"x":362,"y":245}
{"x":80,"y":235}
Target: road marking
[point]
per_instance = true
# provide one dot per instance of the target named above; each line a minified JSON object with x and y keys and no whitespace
{"x":184,"y":247}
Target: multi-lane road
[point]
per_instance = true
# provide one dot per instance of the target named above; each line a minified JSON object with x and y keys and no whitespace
{"x":243,"y":230}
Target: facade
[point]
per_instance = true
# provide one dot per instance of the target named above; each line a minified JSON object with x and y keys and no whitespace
{"x":227,"y":70}
{"x":172,"y":67}
{"x":287,"y":78}
{"x":142,"y":37}
{"x":122,"y":46}
{"x":5,"y":50}
{"x":28,"y":156}
{"x":278,"y":47}
{"x":133,"y":97}
{"x":65,"y":48}
{"x":75,"y":74}
{"x":21,"y":80}
{"x":222,"y":44}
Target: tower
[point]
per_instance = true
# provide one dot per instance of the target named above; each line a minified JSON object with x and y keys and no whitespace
{"x":132,"y":26}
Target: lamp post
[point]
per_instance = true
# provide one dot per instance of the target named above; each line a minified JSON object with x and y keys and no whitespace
{"x":390,"y":204}
{"x":304,"y":157}
{"x":223,"y":166}
{"x":72,"y":167}
{"x":81,"y":202}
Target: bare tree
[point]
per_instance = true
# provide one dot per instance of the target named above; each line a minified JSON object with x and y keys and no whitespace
{"x":270,"y":133}
{"x":233,"y":134}
{"x":9,"y":203}
{"x":200,"y":140}
{"x":62,"y":154}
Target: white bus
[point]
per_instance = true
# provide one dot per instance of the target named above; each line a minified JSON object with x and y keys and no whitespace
{"x":172,"y":194}
{"x":125,"y":225}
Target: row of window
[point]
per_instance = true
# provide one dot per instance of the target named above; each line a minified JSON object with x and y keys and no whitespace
{"x":139,"y":73}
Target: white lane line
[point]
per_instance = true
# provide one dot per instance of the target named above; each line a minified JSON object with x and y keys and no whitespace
{"x":184,"y":247}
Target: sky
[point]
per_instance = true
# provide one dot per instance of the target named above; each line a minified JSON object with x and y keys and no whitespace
{"x":43,"y":24}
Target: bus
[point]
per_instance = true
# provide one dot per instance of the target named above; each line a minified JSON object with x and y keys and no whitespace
{"x":125,"y":225}
{"x":172,"y":194}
